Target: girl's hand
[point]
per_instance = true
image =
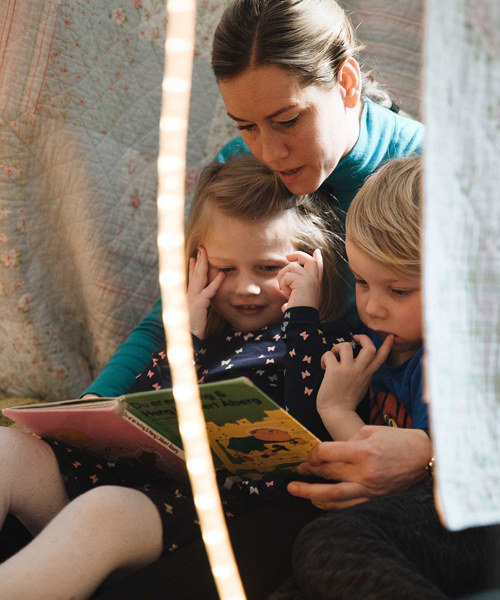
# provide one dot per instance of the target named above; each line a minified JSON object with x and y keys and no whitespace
{"x":301,"y":279}
{"x":200,"y":292}
{"x":347,"y":378}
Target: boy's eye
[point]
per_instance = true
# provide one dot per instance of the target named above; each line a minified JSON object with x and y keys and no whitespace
{"x":270,"y":268}
{"x":225,"y":269}
{"x":401,"y":292}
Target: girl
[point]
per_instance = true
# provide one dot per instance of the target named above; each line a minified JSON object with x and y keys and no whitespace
{"x":243,"y":231}
{"x":92,"y":517}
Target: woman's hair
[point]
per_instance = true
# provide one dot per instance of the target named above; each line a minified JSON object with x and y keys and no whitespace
{"x":246,"y":189}
{"x":310,"y":38}
{"x":385,"y":217}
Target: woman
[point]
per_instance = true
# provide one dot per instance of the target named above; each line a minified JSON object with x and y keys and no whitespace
{"x":289,"y":77}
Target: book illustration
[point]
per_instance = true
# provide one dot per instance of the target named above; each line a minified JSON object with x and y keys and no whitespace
{"x":249,"y":434}
{"x":273,"y":444}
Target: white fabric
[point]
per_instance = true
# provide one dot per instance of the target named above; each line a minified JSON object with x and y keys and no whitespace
{"x":462,"y":250}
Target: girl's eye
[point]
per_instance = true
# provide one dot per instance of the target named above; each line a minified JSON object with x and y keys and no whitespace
{"x":401,"y":292}
{"x":271,"y":268}
{"x":226,"y":269}
{"x":361,"y":282}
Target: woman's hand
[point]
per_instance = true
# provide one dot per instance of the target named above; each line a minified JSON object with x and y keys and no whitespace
{"x":200,"y":292}
{"x":300,"y":281}
{"x":378,"y":460}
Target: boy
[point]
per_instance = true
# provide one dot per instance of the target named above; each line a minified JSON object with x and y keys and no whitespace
{"x":383,"y":246}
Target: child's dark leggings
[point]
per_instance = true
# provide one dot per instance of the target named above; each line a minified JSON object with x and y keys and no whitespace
{"x":391,"y":548}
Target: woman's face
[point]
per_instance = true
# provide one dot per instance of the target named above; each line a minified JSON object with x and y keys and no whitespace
{"x":300,"y":133}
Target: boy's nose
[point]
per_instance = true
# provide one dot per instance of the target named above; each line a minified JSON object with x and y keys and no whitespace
{"x":374,"y":307}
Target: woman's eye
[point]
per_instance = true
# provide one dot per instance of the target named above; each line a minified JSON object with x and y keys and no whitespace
{"x":246,"y":127}
{"x":289,"y":123}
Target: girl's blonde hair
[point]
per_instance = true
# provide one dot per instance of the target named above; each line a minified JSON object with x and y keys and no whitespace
{"x":385,"y":217}
{"x":310,"y":38}
{"x":246,"y":189}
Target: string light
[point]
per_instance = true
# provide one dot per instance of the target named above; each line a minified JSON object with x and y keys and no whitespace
{"x":176,"y":86}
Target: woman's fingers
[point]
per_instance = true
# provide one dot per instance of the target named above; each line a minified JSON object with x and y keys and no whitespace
{"x":329,"y":496}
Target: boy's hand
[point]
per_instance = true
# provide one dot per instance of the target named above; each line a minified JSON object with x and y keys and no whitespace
{"x":347,"y":378}
{"x":200,"y":292}
{"x":301,"y":279}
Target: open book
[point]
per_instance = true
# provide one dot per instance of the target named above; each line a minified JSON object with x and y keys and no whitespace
{"x":250,"y":435}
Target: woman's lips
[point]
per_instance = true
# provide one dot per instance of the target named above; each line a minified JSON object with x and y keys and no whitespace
{"x":290,"y":175}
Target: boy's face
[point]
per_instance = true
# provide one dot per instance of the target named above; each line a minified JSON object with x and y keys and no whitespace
{"x":250,"y":254}
{"x":387,"y":303}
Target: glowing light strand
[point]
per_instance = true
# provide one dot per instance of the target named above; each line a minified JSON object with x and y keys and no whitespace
{"x":179,"y":45}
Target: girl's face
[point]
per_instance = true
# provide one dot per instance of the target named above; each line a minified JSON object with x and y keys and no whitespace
{"x":300,"y":133}
{"x":250,"y":254}
{"x":387,"y":303}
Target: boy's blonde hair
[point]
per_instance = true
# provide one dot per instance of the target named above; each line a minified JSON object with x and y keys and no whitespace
{"x":385,"y":217}
{"x":246,"y":189}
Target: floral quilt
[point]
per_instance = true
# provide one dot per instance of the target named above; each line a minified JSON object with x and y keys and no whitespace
{"x":79,"y":108}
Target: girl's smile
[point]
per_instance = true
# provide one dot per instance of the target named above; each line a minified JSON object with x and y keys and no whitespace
{"x":250,"y":254}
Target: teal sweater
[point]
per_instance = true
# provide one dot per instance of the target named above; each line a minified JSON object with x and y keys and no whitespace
{"x":383,"y":135}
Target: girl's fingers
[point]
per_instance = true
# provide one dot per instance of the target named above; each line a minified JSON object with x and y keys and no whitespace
{"x":198,"y":270}
{"x":211,"y":289}
{"x":319,"y":261}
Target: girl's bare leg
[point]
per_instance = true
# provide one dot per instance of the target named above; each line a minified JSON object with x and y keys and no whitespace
{"x":105,"y":529}
{"x":31,"y":486}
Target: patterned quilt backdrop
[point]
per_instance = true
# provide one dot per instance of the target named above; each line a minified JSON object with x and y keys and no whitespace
{"x":79,"y":108}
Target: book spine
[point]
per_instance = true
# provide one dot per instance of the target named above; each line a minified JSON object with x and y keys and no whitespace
{"x":152,"y":433}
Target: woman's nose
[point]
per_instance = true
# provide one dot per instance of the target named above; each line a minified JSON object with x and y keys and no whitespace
{"x":273,"y":148}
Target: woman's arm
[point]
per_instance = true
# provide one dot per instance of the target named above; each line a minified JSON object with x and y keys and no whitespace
{"x":378,"y":460}
{"x":131,"y":357}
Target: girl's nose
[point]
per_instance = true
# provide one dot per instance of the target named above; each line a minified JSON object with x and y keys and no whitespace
{"x":247,"y":285}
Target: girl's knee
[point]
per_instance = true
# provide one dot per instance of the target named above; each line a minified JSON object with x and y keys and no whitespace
{"x":125,"y":515}
{"x":19,"y":449}
{"x":113,"y":506}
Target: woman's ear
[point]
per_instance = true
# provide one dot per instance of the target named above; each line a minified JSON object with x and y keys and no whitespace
{"x":349,"y":80}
